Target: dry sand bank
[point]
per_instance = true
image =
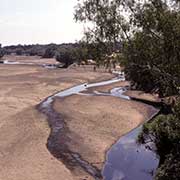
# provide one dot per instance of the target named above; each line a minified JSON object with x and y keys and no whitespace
{"x":142,"y":95}
{"x":23,"y":130}
{"x":30,"y":59}
{"x":94,"y":123}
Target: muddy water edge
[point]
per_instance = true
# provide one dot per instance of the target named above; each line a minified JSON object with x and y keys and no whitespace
{"x":126,"y":160}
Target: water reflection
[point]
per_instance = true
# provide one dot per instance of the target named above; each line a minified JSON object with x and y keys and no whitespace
{"x":128,"y":160}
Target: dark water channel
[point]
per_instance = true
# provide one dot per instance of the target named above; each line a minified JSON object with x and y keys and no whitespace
{"x":126,"y":160}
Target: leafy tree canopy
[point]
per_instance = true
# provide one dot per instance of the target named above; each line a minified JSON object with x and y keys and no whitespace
{"x":149,"y":31}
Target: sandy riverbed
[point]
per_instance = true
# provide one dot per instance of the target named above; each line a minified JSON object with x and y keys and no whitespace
{"x":94,"y":123}
{"x":23,"y":130}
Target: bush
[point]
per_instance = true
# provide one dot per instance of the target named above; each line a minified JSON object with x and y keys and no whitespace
{"x":19,"y":52}
{"x":170,"y":169}
{"x":66,"y":57}
{"x":153,"y":53}
{"x":2,"y":52}
{"x":164,"y":131}
{"x":50,"y":52}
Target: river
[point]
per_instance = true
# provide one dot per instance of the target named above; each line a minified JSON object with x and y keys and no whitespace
{"x":126,"y":159}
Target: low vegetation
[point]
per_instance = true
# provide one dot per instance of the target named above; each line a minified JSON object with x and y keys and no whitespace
{"x":163,"y":131}
{"x":64,"y":53}
{"x":30,"y":50}
{"x":46,"y":51}
{"x":1,"y":52}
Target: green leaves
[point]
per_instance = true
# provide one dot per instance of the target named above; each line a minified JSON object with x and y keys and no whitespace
{"x":164,"y":132}
{"x":150,"y":33}
{"x":2,"y":52}
{"x":105,"y":17}
{"x":154,"y":51}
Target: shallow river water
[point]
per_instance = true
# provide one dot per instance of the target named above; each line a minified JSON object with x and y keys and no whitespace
{"x":126,"y":160}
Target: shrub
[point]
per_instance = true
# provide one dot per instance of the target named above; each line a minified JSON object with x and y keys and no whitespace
{"x":66,"y":57}
{"x":2,"y":52}
{"x":50,"y":52}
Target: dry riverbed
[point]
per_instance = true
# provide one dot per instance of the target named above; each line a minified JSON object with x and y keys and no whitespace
{"x":93,"y":123}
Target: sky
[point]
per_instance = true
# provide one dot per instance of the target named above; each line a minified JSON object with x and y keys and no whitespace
{"x":38,"y":21}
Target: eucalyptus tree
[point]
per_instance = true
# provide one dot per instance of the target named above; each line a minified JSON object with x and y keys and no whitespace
{"x":149,"y":31}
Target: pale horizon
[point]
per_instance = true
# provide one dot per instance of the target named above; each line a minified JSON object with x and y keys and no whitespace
{"x":38,"y":22}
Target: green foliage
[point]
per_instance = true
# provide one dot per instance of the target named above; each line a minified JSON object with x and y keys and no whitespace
{"x":32,"y":50}
{"x":153,"y":54}
{"x":2,"y":52}
{"x":169,"y":170}
{"x":50,"y":52}
{"x":150,"y":34}
{"x":37,"y":49}
{"x":66,"y":57}
{"x":104,"y":38}
{"x":149,"y":31}
{"x":80,"y":52}
{"x":164,"y":132}
{"x":19,"y":52}
{"x":69,"y":55}
{"x":105,"y":17}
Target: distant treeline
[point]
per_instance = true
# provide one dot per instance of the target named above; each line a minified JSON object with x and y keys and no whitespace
{"x":36,"y":49}
{"x":2,"y":52}
{"x":64,"y":53}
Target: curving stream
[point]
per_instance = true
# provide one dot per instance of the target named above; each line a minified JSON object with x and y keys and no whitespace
{"x":126,"y":160}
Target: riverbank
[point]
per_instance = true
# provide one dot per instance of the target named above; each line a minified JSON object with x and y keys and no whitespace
{"x":23,"y":130}
{"x":93,"y":123}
